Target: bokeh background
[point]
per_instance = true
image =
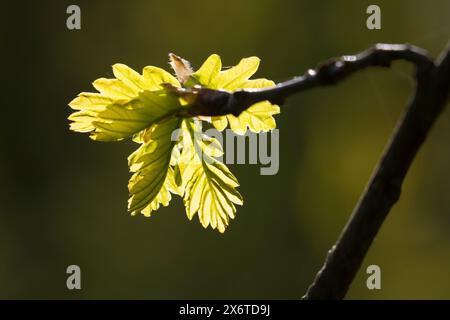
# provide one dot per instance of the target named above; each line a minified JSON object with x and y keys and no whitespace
{"x":63,"y":197}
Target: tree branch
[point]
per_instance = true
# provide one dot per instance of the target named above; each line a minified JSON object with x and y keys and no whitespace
{"x":383,"y":190}
{"x":384,"y":187}
{"x":208,"y":102}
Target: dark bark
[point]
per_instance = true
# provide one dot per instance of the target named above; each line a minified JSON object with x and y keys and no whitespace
{"x":383,"y":190}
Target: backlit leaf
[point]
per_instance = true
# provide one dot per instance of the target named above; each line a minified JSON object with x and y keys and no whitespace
{"x":126,"y":105}
{"x":210,"y":188}
{"x":257,"y":118}
{"x":152,"y":179}
{"x":144,"y":108}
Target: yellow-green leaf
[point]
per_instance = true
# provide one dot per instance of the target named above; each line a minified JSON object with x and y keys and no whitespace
{"x":153,"y":177}
{"x":257,"y":118}
{"x":140,"y":106}
{"x":209,"y":186}
{"x":233,"y":78}
{"x":126,"y":105}
{"x":208,"y":72}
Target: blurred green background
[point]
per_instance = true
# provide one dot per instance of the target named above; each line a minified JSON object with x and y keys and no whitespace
{"x":63,"y":197}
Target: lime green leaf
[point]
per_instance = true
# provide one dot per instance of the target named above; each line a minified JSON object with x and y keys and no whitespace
{"x":118,"y":120}
{"x":153,"y":177}
{"x":208,"y":72}
{"x":209,"y":187}
{"x":257,"y":83}
{"x":126,"y":105}
{"x":220,"y":123}
{"x":140,"y":106}
{"x":233,"y":78}
{"x":155,"y":76}
{"x":258,"y":117}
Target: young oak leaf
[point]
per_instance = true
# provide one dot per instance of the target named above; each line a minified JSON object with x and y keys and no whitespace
{"x":257,"y":118}
{"x":141,"y":107}
{"x":152,"y":180}
{"x":126,"y":105}
{"x":209,"y":187}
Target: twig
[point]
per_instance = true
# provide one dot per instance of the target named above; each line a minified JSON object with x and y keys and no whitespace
{"x":383,"y":190}
{"x":208,"y":102}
